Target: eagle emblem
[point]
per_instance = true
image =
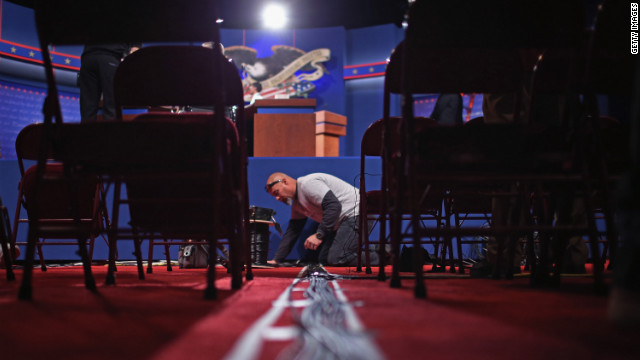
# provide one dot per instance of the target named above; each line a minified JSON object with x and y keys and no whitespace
{"x":288,"y":71}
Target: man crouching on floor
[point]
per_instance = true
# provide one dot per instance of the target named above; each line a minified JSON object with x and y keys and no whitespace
{"x":331,"y":202}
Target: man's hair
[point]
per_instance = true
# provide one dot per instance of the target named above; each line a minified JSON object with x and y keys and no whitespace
{"x":258,"y":86}
{"x":278,"y":175}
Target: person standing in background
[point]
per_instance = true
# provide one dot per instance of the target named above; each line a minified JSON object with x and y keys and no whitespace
{"x":254,"y":90}
{"x":98,"y":66}
{"x":448,"y":109}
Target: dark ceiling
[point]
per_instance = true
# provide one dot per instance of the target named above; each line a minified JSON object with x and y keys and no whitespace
{"x":245,"y":14}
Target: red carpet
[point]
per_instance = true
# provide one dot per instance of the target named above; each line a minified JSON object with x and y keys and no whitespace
{"x":165,"y":317}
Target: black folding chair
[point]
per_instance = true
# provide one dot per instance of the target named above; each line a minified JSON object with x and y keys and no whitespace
{"x":5,"y":241}
{"x":88,"y":148}
{"x":439,"y":55}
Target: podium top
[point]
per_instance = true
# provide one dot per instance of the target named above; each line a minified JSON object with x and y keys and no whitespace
{"x":283,"y":103}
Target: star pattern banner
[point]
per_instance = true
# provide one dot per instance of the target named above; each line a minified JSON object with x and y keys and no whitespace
{"x":33,"y":54}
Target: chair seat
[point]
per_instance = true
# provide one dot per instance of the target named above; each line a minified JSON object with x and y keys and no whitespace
{"x":374,"y":202}
{"x":494,"y":149}
{"x":470,"y":202}
{"x":55,"y":213}
{"x":143,"y":147}
{"x":167,"y":205}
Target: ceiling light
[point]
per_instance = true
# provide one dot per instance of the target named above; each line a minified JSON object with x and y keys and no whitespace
{"x":274,"y":16}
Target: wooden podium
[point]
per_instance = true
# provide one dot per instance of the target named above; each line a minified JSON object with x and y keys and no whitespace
{"x":329,"y":128}
{"x":292,"y":127}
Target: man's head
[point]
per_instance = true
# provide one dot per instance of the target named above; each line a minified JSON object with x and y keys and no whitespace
{"x":255,"y":88}
{"x":282,"y":187}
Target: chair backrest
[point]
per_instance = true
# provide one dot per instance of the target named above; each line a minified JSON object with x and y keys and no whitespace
{"x":183,"y":76}
{"x":176,"y":75}
{"x":478,"y":47}
{"x":371,"y":144}
{"x":554,"y":88}
{"x":55,"y":200}
{"x":497,"y":24}
{"x":419,"y":70}
{"x":28,"y":143}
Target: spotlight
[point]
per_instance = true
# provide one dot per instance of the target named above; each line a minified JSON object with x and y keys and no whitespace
{"x":274,"y":16}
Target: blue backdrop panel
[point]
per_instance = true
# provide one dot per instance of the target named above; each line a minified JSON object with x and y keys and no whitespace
{"x":364,"y":95}
{"x":21,"y":105}
{"x":18,"y":24}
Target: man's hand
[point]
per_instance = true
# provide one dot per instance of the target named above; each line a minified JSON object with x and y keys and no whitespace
{"x":312,"y":242}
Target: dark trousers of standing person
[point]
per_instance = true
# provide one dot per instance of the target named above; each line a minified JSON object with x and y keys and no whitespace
{"x":97,"y":71}
{"x":339,"y":248}
{"x":448,"y":109}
